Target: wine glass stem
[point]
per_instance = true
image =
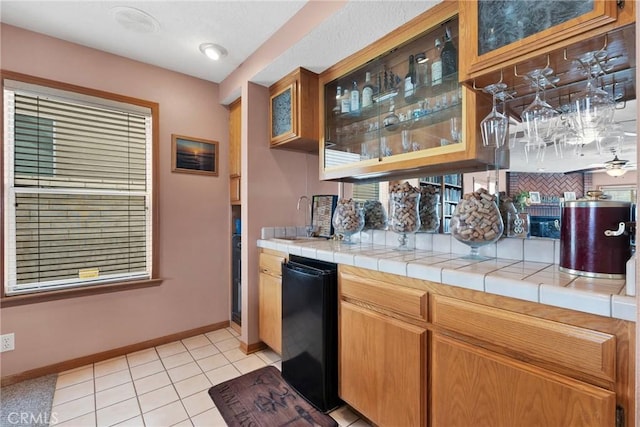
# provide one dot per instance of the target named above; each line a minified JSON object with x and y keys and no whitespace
{"x":475,"y":252}
{"x":402,"y":240}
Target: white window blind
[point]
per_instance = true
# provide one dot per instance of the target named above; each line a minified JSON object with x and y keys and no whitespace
{"x":365,"y":192}
{"x":77,"y":190}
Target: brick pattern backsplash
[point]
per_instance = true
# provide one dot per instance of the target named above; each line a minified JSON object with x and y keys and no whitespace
{"x":548,"y":185}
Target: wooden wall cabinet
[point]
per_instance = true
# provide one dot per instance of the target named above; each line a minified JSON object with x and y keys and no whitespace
{"x":435,"y":129}
{"x":293,"y":112}
{"x":270,"y":299}
{"x":500,"y":35}
{"x":235,"y":143}
{"x":489,"y":360}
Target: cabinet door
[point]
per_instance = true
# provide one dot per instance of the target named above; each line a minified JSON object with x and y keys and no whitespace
{"x":474,"y":387}
{"x":283,"y":113}
{"x":421,"y":118}
{"x":382,"y":366}
{"x":235,"y":126}
{"x":499,"y":31}
{"x":270,"y":311}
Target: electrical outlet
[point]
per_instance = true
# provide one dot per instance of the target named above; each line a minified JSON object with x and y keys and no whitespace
{"x":7,"y":342}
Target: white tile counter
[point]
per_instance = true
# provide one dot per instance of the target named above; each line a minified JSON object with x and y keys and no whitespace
{"x":525,"y":269}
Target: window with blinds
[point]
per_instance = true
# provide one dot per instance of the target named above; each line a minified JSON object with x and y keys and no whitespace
{"x":78,"y":190}
{"x":365,"y":192}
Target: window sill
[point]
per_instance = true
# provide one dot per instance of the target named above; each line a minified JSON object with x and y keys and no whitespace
{"x":23,"y":299}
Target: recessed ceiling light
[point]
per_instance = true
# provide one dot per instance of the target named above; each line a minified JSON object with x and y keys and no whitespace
{"x":213,"y":51}
{"x":134,"y":19}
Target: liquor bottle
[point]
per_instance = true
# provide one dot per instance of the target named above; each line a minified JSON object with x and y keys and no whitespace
{"x":355,"y":98}
{"x":410,"y":80}
{"x":436,"y":66}
{"x":345,"y":102}
{"x":449,"y":55}
{"x":422,"y":70}
{"x":367,"y":91}
{"x":336,"y":109}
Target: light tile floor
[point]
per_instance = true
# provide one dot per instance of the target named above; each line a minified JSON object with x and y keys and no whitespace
{"x":162,"y":386}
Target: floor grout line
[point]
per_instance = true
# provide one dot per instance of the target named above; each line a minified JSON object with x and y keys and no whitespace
{"x":263,"y":357}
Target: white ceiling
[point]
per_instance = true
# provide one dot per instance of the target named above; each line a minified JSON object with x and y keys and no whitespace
{"x":242,"y":27}
{"x":239,"y":26}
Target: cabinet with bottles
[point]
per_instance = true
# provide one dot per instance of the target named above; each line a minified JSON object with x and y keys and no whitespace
{"x":450,"y":189}
{"x":396,"y":108}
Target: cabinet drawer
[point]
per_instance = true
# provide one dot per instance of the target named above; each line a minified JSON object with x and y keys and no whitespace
{"x":271,"y":263}
{"x":580,"y":349}
{"x":405,"y":301}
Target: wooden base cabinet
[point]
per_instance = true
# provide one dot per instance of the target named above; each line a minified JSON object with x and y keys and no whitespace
{"x":475,"y":387}
{"x":417,"y":353}
{"x":382,"y":367}
{"x":270,"y":299}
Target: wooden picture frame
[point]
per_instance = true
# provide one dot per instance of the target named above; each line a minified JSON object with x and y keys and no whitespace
{"x":194,"y":155}
{"x":534,"y":197}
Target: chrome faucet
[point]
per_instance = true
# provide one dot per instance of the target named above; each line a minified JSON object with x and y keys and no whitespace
{"x":308,"y":226}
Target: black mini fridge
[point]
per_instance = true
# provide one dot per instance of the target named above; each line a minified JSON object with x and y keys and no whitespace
{"x":310,"y":330}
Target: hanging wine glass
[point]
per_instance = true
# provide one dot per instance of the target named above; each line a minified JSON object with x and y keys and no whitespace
{"x":503,"y":96}
{"x":538,"y":116}
{"x":495,"y":126}
{"x":594,"y":107}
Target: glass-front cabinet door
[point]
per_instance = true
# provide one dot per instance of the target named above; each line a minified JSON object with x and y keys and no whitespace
{"x":400,"y":110}
{"x":501,"y":30}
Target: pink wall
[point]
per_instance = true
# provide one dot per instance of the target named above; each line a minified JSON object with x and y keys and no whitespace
{"x":602,"y":178}
{"x":194,"y":215}
{"x":275,"y":179}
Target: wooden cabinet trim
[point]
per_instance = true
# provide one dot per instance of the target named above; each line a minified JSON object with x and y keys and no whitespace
{"x":587,"y":351}
{"x":401,"y":300}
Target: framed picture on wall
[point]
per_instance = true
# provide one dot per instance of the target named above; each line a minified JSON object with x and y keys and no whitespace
{"x":569,"y":195}
{"x":534,"y":197}
{"x":194,"y":155}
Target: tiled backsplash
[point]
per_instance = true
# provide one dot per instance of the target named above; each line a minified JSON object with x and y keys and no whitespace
{"x":550,"y":185}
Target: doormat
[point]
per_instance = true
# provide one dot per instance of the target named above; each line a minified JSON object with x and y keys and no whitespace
{"x":263,"y":398}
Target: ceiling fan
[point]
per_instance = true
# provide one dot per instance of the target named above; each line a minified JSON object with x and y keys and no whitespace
{"x":615,"y":167}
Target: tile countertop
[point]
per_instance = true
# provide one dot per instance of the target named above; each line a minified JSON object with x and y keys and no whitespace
{"x":526,"y":269}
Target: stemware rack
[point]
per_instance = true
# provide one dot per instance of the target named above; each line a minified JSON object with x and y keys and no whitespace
{"x":616,"y":76}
